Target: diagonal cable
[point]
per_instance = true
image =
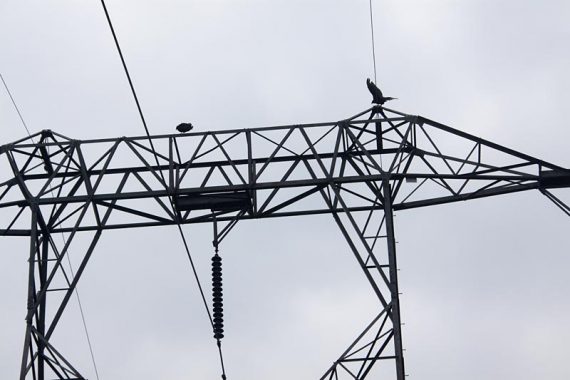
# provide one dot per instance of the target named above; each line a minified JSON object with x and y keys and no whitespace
{"x":131,"y":85}
{"x":373,"y":44}
{"x":16,"y":107}
{"x":163,"y":180}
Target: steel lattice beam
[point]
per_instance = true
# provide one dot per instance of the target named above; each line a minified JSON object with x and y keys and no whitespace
{"x":359,"y":170}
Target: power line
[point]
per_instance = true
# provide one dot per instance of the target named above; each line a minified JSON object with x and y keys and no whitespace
{"x":129,"y":78}
{"x":164,"y":181}
{"x":16,"y":107}
{"x":373,"y":52}
{"x":373,"y":43}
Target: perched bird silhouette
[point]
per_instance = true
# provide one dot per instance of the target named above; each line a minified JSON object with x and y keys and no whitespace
{"x":184,"y":127}
{"x":377,"y":97}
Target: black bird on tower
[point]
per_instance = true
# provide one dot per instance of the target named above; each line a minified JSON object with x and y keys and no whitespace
{"x":377,"y":96}
{"x":184,"y":127}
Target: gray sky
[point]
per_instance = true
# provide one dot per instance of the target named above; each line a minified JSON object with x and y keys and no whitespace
{"x":485,"y":283}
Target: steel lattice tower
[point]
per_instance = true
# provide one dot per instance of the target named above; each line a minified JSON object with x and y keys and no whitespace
{"x":359,"y":170}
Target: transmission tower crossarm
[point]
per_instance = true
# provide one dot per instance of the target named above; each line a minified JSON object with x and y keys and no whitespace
{"x":266,"y":167}
{"x":359,"y":170}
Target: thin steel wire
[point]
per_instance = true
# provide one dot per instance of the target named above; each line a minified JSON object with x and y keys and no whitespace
{"x":373,"y":53}
{"x":16,"y":107}
{"x":162,"y":176}
{"x":131,"y":85}
{"x":373,"y":43}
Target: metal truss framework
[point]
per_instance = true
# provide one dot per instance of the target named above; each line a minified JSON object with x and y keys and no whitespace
{"x":359,"y":170}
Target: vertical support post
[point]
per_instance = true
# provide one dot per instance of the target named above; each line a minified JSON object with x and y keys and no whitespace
{"x":251,"y":172}
{"x":31,"y":292}
{"x":379,"y":137}
{"x":393,"y":273}
{"x":43,"y":271}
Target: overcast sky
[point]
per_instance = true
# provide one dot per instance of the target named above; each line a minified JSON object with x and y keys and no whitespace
{"x":485,"y":284}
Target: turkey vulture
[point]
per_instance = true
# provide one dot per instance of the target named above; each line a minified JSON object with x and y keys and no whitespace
{"x":377,"y":97}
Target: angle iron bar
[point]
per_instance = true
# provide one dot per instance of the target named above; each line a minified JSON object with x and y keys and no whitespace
{"x":404,"y":143}
{"x":132,"y":211}
{"x":73,"y":190}
{"x":263,"y":186}
{"x":326,"y":173}
{"x":377,"y":236}
{"x":170,"y":165}
{"x":364,"y":332}
{"x":404,"y":158}
{"x":464,"y":197}
{"x":488,"y":167}
{"x":370,"y":183}
{"x":370,"y":253}
{"x":149,"y":150}
{"x":88,"y":186}
{"x":349,"y":239}
{"x":261,"y":160}
{"x":271,"y":157}
{"x":226,"y":177}
{"x":377,"y":337}
{"x":213,"y":135}
{"x":413,"y":191}
{"x":336,"y":149}
{"x":41,"y":293}
{"x":365,"y":126}
{"x":187,"y":164}
{"x":15,"y":218}
{"x":561,"y":205}
{"x":347,"y":370}
{"x":273,"y":142}
{"x":106,"y":153}
{"x":31,"y":155}
{"x":373,"y":201}
{"x":167,"y":209}
{"x":56,"y":352}
{"x":393,"y":270}
{"x":400,"y":181}
{"x":466,"y":160}
{"x":488,"y":143}
{"x":177,"y":149}
{"x":67,"y":296}
{"x":221,"y":235}
{"x":439,"y":154}
{"x":312,"y":145}
{"x":342,"y":170}
{"x":72,"y":286}
{"x":31,"y":291}
{"x":443,"y":183}
{"x":366,"y":152}
{"x":8,"y":187}
{"x":64,"y":181}
{"x":295,"y":199}
{"x":228,"y":158}
{"x":111,"y":154}
{"x":148,"y":166}
{"x":56,"y":212}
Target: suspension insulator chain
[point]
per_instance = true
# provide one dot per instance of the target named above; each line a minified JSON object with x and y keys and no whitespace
{"x":217,"y":297}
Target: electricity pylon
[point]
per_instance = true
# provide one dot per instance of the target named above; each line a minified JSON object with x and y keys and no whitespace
{"x":359,"y":170}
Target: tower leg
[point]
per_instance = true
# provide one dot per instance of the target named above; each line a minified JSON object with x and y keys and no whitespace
{"x":381,"y":341}
{"x":27,"y":351}
{"x":41,"y":360}
{"x":393,"y":273}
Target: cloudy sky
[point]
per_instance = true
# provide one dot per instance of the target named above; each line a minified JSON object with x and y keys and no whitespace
{"x":485,"y":284}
